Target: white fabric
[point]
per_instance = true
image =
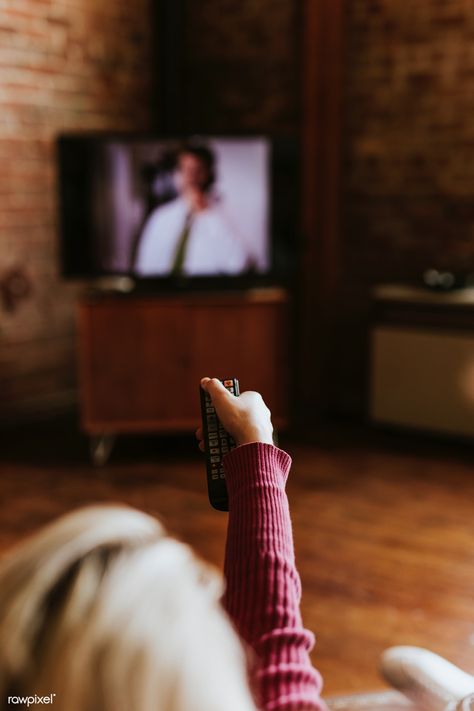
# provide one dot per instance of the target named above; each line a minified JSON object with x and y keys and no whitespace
{"x":425,"y":682}
{"x":427,"y":679}
{"x":213,"y":247}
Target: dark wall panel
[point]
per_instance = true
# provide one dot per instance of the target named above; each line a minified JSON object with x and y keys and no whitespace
{"x":237,"y":63}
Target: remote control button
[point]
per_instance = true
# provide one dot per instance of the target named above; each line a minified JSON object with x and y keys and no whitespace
{"x":214,"y":450}
{"x":215,"y":459}
{"x":228,"y":382}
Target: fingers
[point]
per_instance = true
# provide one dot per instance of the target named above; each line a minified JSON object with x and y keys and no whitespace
{"x":214,"y":386}
{"x":219,"y":395}
{"x":246,"y":418}
{"x":199,"y":434}
{"x":215,"y":389}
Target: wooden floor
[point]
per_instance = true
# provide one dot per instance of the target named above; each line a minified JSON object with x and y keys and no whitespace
{"x":384,"y":529}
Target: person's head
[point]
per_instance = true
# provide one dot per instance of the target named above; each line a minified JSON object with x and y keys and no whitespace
{"x":107,"y":612}
{"x":195,"y":168}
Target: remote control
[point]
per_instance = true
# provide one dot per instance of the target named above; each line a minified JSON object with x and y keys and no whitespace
{"x":217,"y":442}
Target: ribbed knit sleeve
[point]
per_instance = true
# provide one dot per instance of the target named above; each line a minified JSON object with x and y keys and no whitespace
{"x":263,"y":587}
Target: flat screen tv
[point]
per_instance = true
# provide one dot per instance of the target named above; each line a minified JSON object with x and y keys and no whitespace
{"x":214,"y":210}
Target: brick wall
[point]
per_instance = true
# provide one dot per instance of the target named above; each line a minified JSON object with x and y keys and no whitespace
{"x":65,"y":65}
{"x":410,"y":134}
{"x":408,"y":178}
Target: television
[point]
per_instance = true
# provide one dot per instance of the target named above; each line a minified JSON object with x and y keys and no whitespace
{"x":178,"y":211}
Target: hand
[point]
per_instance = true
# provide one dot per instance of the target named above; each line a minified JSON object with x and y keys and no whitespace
{"x":246,"y":418}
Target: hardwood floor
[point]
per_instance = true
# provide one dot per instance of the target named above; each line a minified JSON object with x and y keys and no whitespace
{"x":384,"y":529}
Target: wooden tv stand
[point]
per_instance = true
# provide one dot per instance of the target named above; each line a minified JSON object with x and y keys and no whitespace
{"x":141,"y":357}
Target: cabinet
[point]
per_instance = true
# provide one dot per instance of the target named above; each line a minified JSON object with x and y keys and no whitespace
{"x":141,"y":358}
{"x":422,"y":360}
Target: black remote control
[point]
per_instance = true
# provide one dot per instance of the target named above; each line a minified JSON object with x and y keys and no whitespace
{"x":217,"y":442}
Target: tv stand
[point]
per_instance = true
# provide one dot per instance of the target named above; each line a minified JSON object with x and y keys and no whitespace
{"x":141,"y":357}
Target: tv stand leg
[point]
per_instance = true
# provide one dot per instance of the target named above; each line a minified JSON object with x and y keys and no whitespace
{"x":100,"y":447}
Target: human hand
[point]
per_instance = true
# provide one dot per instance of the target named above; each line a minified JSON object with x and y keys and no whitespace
{"x":246,"y":418}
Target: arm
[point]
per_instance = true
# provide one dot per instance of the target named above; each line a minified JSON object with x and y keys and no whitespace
{"x":263,"y":586}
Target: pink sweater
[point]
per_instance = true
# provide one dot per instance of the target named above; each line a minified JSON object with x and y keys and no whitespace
{"x":263,"y":587}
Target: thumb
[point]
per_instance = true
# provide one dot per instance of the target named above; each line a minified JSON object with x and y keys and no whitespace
{"x":215,"y":389}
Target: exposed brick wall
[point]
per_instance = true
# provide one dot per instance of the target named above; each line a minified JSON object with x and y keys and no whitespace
{"x":65,"y":65}
{"x":410,"y":134}
{"x":408,"y":178}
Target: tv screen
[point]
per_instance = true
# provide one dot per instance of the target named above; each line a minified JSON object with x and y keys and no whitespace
{"x":167,"y":208}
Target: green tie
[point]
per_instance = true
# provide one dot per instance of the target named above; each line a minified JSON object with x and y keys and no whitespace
{"x":177,"y":268}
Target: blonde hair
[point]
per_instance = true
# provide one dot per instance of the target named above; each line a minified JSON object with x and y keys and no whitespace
{"x":107,"y":613}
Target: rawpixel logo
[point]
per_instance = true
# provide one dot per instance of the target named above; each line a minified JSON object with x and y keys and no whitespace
{"x":30,"y":700}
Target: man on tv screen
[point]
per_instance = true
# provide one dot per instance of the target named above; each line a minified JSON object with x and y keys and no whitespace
{"x":192,"y":234}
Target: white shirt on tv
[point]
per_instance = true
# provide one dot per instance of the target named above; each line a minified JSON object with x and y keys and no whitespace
{"x":213,"y":247}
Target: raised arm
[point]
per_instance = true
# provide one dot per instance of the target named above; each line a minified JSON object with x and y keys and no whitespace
{"x":263,"y":587}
